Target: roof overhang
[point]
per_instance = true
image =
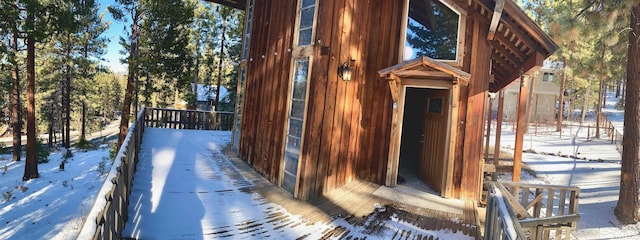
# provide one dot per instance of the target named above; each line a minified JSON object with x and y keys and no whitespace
{"x":519,"y":46}
{"x":239,"y":4}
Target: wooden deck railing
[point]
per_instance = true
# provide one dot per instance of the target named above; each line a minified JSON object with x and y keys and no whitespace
{"x":107,"y":217}
{"x":188,"y":119}
{"x":528,"y":211}
{"x":109,"y":213}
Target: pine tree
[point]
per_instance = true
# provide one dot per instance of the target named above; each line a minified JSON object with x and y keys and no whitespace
{"x":40,"y":19}
{"x":167,"y":56}
{"x":9,"y":10}
{"x":132,"y":9}
{"x":628,"y":204}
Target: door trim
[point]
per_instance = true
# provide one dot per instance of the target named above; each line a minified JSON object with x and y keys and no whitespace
{"x":396,"y":140}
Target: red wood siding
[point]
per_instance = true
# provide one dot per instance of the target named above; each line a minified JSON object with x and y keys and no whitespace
{"x":347,"y":123}
{"x":267,"y":82}
{"x":467,"y":168}
{"x":347,"y":132}
{"x":347,"y":127}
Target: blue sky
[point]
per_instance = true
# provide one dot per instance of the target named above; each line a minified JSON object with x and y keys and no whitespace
{"x":112,"y":57}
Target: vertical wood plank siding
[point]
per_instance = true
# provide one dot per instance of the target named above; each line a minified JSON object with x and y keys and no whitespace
{"x":269,"y":63}
{"x":347,"y":126}
{"x":475,"y":111}
{"x":347,"y":123}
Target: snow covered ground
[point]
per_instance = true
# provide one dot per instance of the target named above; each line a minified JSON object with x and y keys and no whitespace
{"x":593,"y":165}
{"x":54,"y":205}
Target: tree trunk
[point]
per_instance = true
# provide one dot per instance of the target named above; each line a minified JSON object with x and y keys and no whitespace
{"x":67,"y":99}
{"x":128,"y":95}
{"x":601,"y":97}
{"x":618,"y":83}
{"x":83,"y":131}
{"x":583,"y":113}
{"x":16,"y":118}
{"x":31,"y":165}
{"x":50,"y":128}
{"x":627,"y":208}
{"x":561,"y":100}
{"x":599,"y":106}
{"x":61,"y":114}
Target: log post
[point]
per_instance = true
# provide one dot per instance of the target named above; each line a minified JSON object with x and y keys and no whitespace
{"x":520,"y":129}
{"x":496,"y":153}
{"x":488,"y":136}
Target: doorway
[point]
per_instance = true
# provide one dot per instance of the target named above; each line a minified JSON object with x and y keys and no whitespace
{"x":424,"y":139}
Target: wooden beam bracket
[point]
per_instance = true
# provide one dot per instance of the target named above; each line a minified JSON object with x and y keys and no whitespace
{"x":392,"y":79}
{"x":495,"y":20}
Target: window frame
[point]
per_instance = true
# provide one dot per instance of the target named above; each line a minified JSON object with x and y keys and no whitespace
{"x":242,"y":78}
{"x":298,"y":52}
{"x":462,"y":25}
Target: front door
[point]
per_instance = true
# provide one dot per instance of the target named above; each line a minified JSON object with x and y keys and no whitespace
{"x":434,"y":138}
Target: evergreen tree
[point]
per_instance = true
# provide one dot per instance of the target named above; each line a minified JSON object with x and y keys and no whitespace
{"x":129,"y":10}
{"x":10,"y":31}
{"x":166,"y":59}
{"x":37,"y":19}
{"x":628,"y":204}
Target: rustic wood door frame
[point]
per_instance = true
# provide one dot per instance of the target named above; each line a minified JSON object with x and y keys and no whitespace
{"x":398,"y":118}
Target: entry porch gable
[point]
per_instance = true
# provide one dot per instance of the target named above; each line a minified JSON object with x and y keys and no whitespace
{"x":423,"y":72}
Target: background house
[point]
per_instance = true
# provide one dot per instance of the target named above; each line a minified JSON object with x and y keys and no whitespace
{"x":544,"y":101}
{"x":206,"y":95}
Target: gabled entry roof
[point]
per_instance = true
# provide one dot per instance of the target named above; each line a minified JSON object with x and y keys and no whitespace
{"x":423,"y":67}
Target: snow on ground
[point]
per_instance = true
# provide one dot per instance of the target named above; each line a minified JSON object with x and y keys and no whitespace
{"x":185,"y":188}
{"x":593,"y":165}
{"x":54,"y":205}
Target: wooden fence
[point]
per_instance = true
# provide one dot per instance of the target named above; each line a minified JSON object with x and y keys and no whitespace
{"x":531,"y":211}
{"x":614,"y":134}
{"x":188,"y":119}
{"x":107,"y":217}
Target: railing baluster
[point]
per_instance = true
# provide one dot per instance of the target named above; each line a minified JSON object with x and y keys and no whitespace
{"x":558,"y":223}
{"x":561,"y":202}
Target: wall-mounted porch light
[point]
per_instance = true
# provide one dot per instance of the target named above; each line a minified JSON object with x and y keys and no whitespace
{"x":345,"y":71}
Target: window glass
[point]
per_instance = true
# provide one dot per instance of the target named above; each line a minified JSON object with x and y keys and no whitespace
{"x":306,"y":3}
{"x":435,"y":105}
{"x":300,"y":80}
{"x":247,"y":31}
{"x":305,"y":28}
{"x":296,"y":123}
{"x":432,"y":36}
{"x":297,"y":108}
{"x":242,"y":74}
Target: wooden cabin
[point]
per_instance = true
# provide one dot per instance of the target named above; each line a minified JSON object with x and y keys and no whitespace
{"x":334,"y":90}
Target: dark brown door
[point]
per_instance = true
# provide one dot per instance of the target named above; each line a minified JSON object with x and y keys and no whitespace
{"x":434,"y":138}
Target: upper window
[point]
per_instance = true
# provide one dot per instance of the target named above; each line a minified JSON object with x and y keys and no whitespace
{"x":247,"y":31}
{"x":305,"y":27}
{"x":547,"y":77}
{"x":432,"y":31}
